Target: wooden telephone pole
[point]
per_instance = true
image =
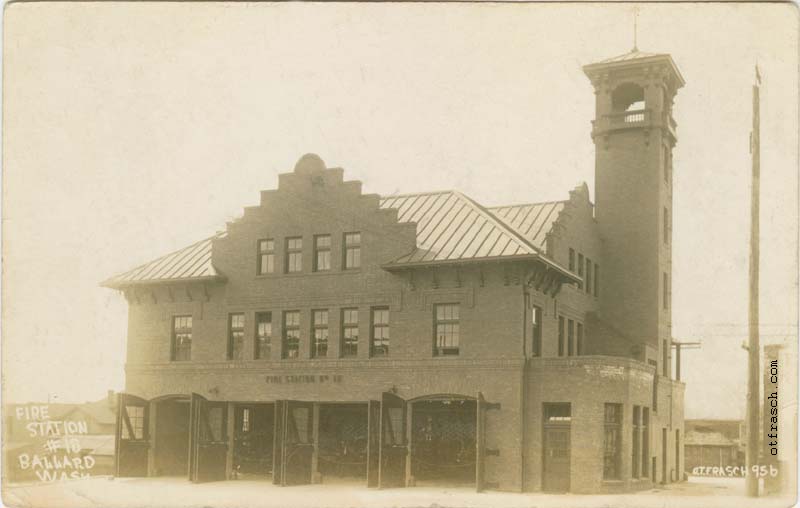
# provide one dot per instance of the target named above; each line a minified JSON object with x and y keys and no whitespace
{"x":753,"y":370}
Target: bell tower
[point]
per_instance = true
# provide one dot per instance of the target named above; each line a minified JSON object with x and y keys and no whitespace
{"x":634,"y":134}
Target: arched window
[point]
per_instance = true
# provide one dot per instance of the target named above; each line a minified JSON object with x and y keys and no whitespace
{"x":627,"y":97}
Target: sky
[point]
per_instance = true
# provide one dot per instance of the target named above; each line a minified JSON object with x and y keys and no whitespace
{"x":134,"y":129}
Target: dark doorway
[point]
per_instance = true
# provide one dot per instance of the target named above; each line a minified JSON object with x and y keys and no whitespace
{"x":443,"y":441}
{"x":342,"y":442}
{"x":172,"y":437}
{"x":253,"y":440}
{"x":557,"y":421}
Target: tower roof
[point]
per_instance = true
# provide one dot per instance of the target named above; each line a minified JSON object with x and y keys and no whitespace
{"x":635,"y":58}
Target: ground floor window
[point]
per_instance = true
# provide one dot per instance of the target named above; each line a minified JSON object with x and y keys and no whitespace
{"x":612,"y":441}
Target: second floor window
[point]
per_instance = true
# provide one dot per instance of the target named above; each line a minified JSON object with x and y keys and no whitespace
{"x":579,"y":333}
{"x":266,"y":256}
{"x":588,"y":276}
{"x":263,"y":335}
{"x":291,"y":334}
{"x":560,"y":335}
{"x":181,"y":338}
{"x":322,"y":253}
{"x":380,"y":332}
{"x":536,"y":334}
{"x":352,"y":251}
{"x":349,"y":332}
{"x":665,"y":226}
{"x":294,"y":255}
{"x":596,"y":280}
{"x":570,"y":337}
{"x":447,"y":329}
{"x":571,"y":260}
{"x":319,"y":327}
{"x":236,"y":336}
{"x":580,"y":270}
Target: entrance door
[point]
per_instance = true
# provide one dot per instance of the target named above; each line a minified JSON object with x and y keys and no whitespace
{"x":208,"y":443}
{"x":132,"y":442}
{"x":393,"y":444}
{"x":373,"y":442}
{"x":298,"y":443}
{"x":556,"y":458}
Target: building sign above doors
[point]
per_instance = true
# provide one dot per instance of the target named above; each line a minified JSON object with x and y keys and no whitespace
{"x":303,"y":378}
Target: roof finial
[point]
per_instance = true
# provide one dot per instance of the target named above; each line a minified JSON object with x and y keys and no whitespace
{"x":635,"y":19}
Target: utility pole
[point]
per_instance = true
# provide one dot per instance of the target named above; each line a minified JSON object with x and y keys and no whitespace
{"x":753,"y":370}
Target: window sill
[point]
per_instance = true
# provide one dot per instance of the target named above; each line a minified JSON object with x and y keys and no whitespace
{"x":306,"y":274}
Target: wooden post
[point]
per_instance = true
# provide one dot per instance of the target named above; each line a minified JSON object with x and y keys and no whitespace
{"x":753,"y":378}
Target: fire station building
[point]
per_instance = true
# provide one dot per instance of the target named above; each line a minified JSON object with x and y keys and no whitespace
{"x":330,"y":335}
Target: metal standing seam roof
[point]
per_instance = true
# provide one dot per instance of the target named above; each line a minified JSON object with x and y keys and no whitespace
{"x":190,"y":263}
{"x":635,"y":54}
{"x":451,"y":226}
{"x":533,"y":221}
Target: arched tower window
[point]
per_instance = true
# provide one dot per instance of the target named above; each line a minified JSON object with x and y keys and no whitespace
{"x":627,"y":97}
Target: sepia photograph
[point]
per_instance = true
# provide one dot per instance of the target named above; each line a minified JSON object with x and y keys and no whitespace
{"x":399,"y":254}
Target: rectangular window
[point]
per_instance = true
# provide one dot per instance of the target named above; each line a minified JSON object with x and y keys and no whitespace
{"x":560,"y":335}
{"x":645,"y":442}
{"x":636,"y":440}
{"x":612,"y":441}
{"x":352,"y":251}
{"x":181,"y":338}
{"x":665,"y":291}
{"x":557,"y":412}
{"x":665,"y":366}
{"x":580,"y":270}
{"x":319,"y":333}
{"x":349,"y":332}
{"x":266,"y":256}
{"x":588,"y":276}
{"x":596,"y":280}
{"x":322,"y":253}
{"x":570,"y":337}
{"x":653,"y":364}
{"x":291,"y":334}
{"x":136,"y":417}
{"x":579,"y":333}
{"x":294,"y":255}
{"x":666,"y":226}
{"x":380,"y":332}
{"x":571,"y":259}
{"x":536,"y":335}
{"x":263,"y":335}
{"x":447,"y":330}
{"x":236,"y":336}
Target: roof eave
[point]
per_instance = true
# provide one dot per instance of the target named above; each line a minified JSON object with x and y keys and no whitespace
{"x":568,"y":276}
{"x":125,"y":284}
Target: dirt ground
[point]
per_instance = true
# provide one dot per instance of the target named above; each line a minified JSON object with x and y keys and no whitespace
{"x":179,"y":492}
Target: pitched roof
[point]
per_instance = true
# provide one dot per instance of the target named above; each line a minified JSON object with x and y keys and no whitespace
{"x":451,"y":226}
{"x":533,"y":221}
{"x":190,"y":263}
{"x":634,"y":54}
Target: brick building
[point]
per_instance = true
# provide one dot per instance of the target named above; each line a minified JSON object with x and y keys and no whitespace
{"x":331,"y":335}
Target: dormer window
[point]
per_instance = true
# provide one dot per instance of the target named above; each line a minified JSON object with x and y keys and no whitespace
{"x":266,"y":256}
{"x":352,"y":251}
{"x":322,"y":253}
{"x":294,"y":255}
